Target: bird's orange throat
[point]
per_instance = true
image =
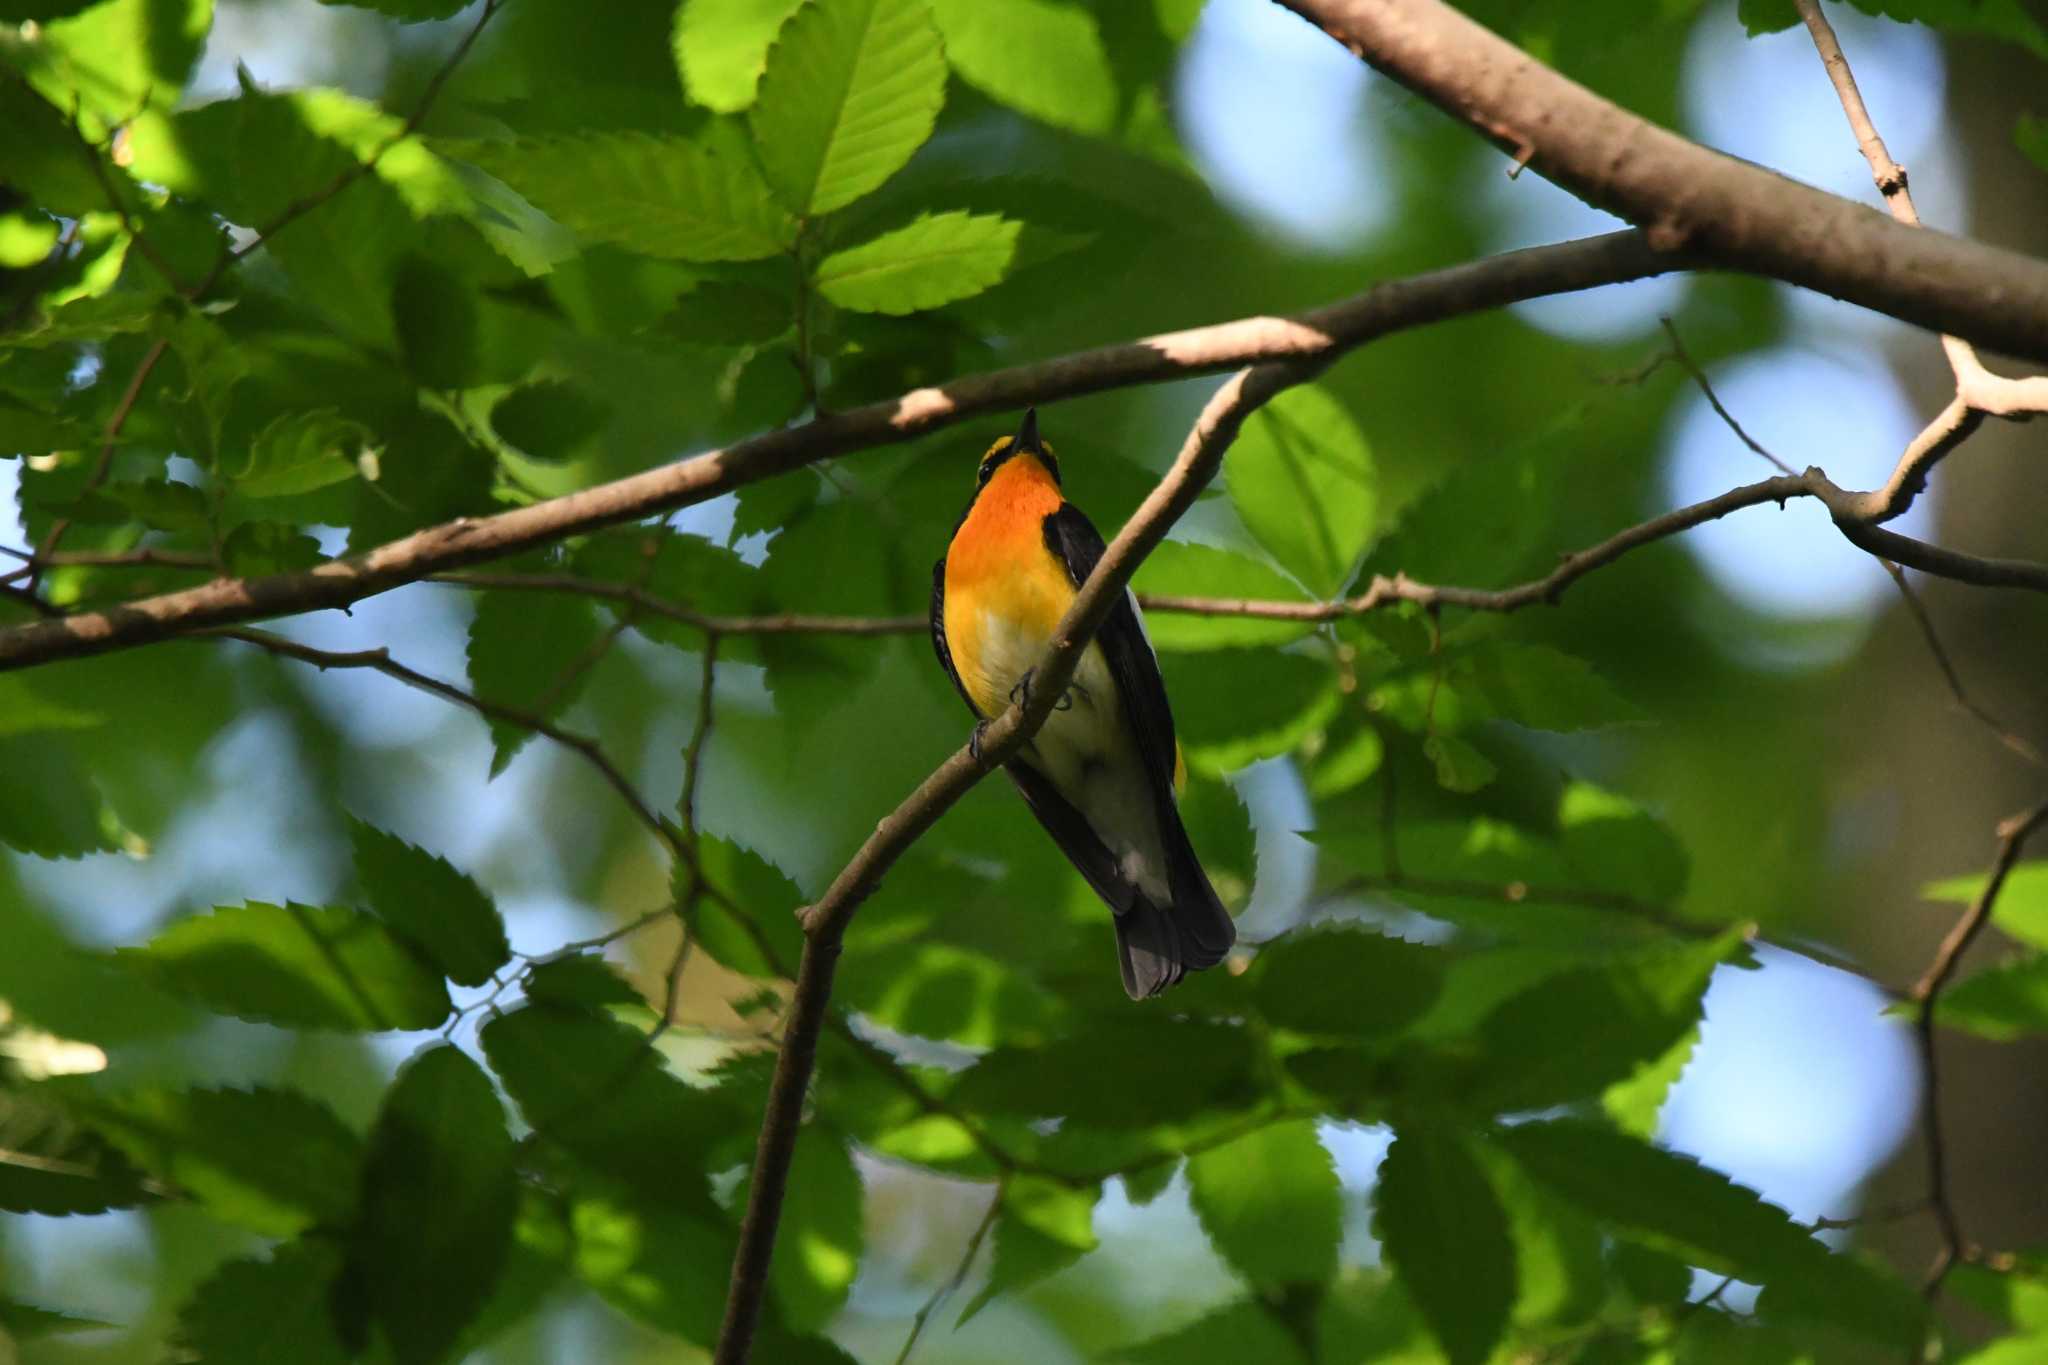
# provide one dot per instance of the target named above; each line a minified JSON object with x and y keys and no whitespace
{"x":1005,"y":590}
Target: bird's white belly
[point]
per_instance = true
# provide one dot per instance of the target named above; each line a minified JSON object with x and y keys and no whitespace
{"x":1088,"y":751}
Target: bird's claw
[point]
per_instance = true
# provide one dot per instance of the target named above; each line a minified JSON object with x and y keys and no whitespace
{"x":974,"y":740}
{"x":1021,"y":693}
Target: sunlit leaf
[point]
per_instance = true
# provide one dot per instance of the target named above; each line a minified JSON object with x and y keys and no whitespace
{"x":2002,"y":1003}
{"x":1302,"y":479}
{"x":851,"y":90}
{"x":1269,"y":1200}
{"x":939,"y":258}
{"x":722,"y":48}
{"x":691,"y":199}
{"x":2021,"y":909}
{"x":1187,"y":570}
{"x":1042,"y":1227}
{"x":1042,"y":59}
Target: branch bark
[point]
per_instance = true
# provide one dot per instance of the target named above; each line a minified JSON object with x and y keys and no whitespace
{"x":1393,"y":306}
{"x":1737,"y":215}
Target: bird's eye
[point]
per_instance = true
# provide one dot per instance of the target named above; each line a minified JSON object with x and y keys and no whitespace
{"x":988,"y":467}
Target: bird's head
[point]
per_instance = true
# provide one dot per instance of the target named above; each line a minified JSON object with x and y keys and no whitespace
{"x":1026,"y":445}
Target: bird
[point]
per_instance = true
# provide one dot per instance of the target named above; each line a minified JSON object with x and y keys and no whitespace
{"x":1103,"y":773}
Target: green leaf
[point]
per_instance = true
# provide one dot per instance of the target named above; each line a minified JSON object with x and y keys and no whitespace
{"x":1766,"y":16}
{"x":1043,"y":1227}
{"x":1347,"y":982}
{"x":1180,"y":569}
{"x":1570,"y":1036}
{"x":1613,"y":845}
{"x":158,"y":503}
{"x":2007,"y":20}
{"x":591,"y":1085}
{"x":818,"y":1243}
{"x":116,"y":58}
{"x":1459,"y":766}
{"x":313,"y":966}
{"x":1677,"y":1205}
{"x":1241,"y":1332}
{"x":438,"y":1199}
{"x":1536,"y":686}
{"x":1039,"y":57}
{"x":2021,"y":909}
{"x":761,"y":913}
{"x":721,"y":48}
{"x":1302,"y":480}
{"x":851,"y":90}
{"x":691,"y":199}
{"x":265,"y":547}
{"x":435,"y":313}
{"x":667,"y":1270}
{"x":274,"y":1161}
{"x":1111,"y":1078}
{"x":423,"y":897}
{"x":1447,"y":1236}
{"x":1233,"y":707}
{"x":2003,"y":1003}
{"x":1561,"y":1276}
{"x":1636,"y":1102}
{"x":529,"y":651}
{"x":2030,"y":135}
{"x":937,"y":990}
{"x":61,"y":1166}
{"x":48,"y":805}
{"x":2009,"y":1351}
{"x":1219,"y":824}
{"x":253,"y":1312}
{"x":407,"y":11}
{"x":24,"y":710}
{"x":548,"y":420}
{"x":939,"y":258}
{"x":27,"y":1321}
{"x":579,"y":979}
{"x":1341,"y":766}
{"x":1270,"y":1202}
{"x":301,"y":451}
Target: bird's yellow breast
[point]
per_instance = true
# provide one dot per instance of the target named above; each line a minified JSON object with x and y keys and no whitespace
{"x":1005,"y":590}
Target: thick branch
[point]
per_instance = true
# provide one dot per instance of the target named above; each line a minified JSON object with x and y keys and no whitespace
{"x":1737,"y":215}
{"x":1390,"y":307}
{"x":825,"y":922}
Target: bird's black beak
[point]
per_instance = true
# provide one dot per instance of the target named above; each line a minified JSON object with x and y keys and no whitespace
{"x":1027,"y":434}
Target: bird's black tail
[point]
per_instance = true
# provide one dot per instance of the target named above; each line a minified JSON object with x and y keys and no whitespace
{"x":1159,"y":944}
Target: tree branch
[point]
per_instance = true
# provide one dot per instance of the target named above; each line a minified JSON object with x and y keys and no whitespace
{"x":825,"y":922}
{"x":1324,"y":333}
{"x":2012,"y":837}
{"x":1735,"y":214}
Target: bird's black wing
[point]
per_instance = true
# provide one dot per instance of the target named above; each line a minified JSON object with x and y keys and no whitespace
{"x":1073,"y":539}
{"x":939,"y":645}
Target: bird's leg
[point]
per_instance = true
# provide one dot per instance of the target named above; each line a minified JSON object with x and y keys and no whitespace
{"x":974,"y":740}
{"x":1020,"y":694}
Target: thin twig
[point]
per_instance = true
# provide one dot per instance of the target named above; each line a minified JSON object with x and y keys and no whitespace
{"x":957,"y":1278}
{"x":380,"y":660}
{"x":119,"y":419}
{"x":1699,"y":377}
{"x":1990,"y":722}
{"x":304,"y":205}
{"x":2012,"y":837}
{"x":693,"y":756}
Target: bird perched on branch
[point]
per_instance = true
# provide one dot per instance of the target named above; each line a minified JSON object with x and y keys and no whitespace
{"x":1103,"y":771}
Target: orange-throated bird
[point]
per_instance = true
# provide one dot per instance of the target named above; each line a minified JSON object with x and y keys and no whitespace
{"x":1102,"y":772}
